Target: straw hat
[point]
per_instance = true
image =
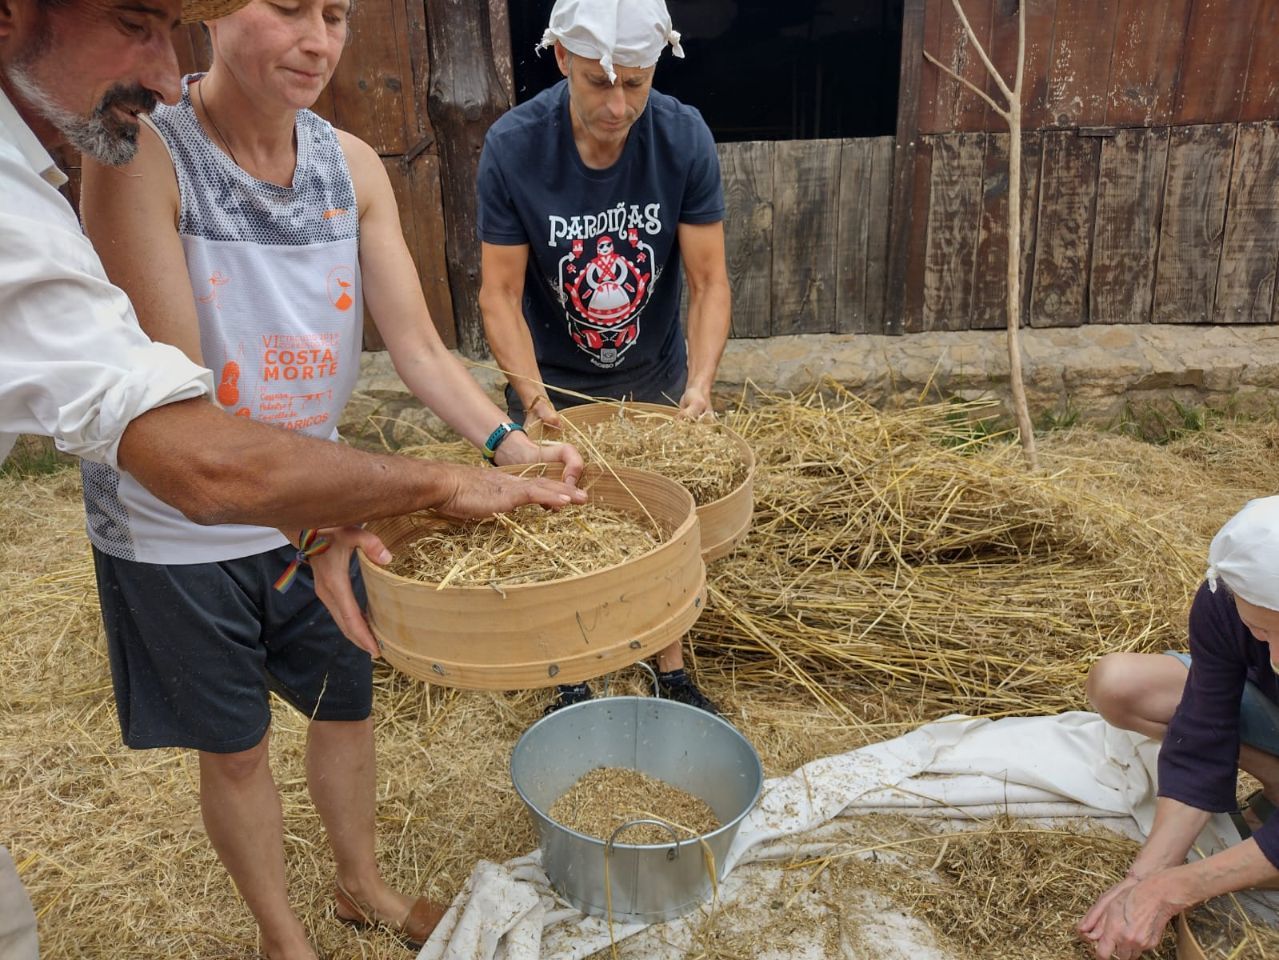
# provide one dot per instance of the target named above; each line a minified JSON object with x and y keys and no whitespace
{"x":195,"y":10}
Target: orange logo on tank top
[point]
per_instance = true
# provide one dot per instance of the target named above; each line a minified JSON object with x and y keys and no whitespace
{"x":341,"y":282}
{"x":229,"y":388}
{"x":244,"y":412}
{"x":334,"y":212}
{"x":217,"y":280}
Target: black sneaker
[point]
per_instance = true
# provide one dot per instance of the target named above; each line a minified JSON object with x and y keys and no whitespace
{"x":567,"y":695}
{"x":679,"y":686}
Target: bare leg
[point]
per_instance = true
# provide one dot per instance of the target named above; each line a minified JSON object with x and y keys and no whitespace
{"x":243,"y":817}
{"x":672,"y":657}
{"x":1137,"y":691}
{"x":341,"y":776}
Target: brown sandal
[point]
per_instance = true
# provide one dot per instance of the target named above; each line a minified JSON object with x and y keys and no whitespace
{"x":422,"y":918}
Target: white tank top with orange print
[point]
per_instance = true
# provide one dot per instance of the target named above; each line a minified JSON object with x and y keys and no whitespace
{"x":276,"y":279}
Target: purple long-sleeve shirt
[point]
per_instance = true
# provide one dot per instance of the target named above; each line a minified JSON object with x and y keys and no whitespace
{"x":1198,"y":761}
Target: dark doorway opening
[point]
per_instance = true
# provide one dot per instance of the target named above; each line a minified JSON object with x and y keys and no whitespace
{"x":761,"y":69}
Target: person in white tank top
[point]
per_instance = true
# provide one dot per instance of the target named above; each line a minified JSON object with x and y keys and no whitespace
{"x":272,"y":301}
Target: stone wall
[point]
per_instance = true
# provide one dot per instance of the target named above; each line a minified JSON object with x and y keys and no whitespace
{"x":1096,"y":373}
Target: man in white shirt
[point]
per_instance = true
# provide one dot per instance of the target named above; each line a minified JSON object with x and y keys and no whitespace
{"x":74,"y":365}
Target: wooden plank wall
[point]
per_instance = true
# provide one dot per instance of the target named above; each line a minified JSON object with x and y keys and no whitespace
{"x":1150,"y":173}
{"x":1106,"y":63}
{"x":806,"y":232}
{"x":1137,"y":225}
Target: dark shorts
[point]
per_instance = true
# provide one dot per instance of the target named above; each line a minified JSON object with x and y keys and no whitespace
{"x":1258,"y":714}
{"x":196,"y":648}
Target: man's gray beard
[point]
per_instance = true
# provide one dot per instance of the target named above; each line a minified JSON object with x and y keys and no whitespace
{"x":106,"y":140}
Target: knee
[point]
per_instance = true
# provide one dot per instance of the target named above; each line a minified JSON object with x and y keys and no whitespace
{"x":238,"y":767}
{"x":1114,"y":686}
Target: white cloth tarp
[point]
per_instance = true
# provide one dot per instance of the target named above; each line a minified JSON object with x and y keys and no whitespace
{"x":1072,"y":765}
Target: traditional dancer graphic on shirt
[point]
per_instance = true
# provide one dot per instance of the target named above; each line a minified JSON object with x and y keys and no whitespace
{"x":605,"y":294}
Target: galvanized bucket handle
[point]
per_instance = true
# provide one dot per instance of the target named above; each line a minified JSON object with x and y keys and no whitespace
{"x":671,"y":854}
{"x":652,"y":675}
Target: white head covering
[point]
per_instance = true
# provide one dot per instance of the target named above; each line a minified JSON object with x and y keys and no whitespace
{"x":629,"y":33}
{"x":1245,"y":553}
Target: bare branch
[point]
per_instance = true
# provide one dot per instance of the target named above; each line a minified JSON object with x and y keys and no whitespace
{"x":1003,"y":112}
{"x":981,"y":51}
{"x":1021,"y":48}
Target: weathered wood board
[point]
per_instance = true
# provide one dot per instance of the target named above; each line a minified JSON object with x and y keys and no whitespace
{"x":954,"y":212}
{"x":1079,"y":79}
{"x":864,"y":182}
{"x":1148,"y":43}
{"x":1214,"y":65}
{"x":1130,"y":188}
{"x":747,"y":172}
{"x":990,"y":283}
{"x":805,"y":228}
{"x":1063,"y":245}
{"x":1198,"y":181}
{"x":1250,"y":245}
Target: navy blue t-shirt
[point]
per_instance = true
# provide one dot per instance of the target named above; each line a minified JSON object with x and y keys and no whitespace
{"x":602,"y":293}
{"x":1198,"y":759}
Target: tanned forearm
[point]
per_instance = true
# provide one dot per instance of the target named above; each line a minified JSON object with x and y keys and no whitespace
{"x":217,"y":468}
{"x":512,"y":345}
{"x":709,"y":320}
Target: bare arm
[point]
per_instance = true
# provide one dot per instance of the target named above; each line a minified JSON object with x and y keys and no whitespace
{"x":394,"y":297}
{"x":131,"y":215}
{"x":502,"y":306}
{"x":217,"y":468}
{"x":1131,"y":916}
{"x":709,"y":310}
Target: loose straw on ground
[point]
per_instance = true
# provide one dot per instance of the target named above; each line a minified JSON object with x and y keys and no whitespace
{"x":927,"y":588}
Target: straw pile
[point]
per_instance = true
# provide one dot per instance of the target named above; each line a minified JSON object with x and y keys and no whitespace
{"x":697,"y":454}
{"x":607,"y":797}
{"x":910,"y":554}
{"x":530,"y":545}
{"x":109,"y":841}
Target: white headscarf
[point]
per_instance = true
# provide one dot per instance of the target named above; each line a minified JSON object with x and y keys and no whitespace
{"x":628,"y":33}
{"x":1245,"y":554}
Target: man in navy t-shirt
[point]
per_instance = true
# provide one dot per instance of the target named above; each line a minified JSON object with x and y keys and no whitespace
{"x":592,"y":196}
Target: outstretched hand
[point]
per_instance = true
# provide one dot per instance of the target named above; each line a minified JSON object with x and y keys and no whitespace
{"x":477,"y":493}
{"x":331,"y":571}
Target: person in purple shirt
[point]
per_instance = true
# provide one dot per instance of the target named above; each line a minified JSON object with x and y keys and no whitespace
{"x":1216,"y":711}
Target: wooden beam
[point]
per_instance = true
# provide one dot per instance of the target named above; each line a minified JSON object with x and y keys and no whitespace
{"x":466,"y":96}
{"x":901,"y":218}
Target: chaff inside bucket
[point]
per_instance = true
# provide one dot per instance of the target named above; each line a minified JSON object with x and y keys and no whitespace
{"x":687,"y":748}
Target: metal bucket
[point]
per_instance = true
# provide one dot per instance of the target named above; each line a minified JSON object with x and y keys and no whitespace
{"x":686,"y":747}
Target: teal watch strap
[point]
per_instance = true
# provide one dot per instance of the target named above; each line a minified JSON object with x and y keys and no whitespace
{"x":497,"y":436}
